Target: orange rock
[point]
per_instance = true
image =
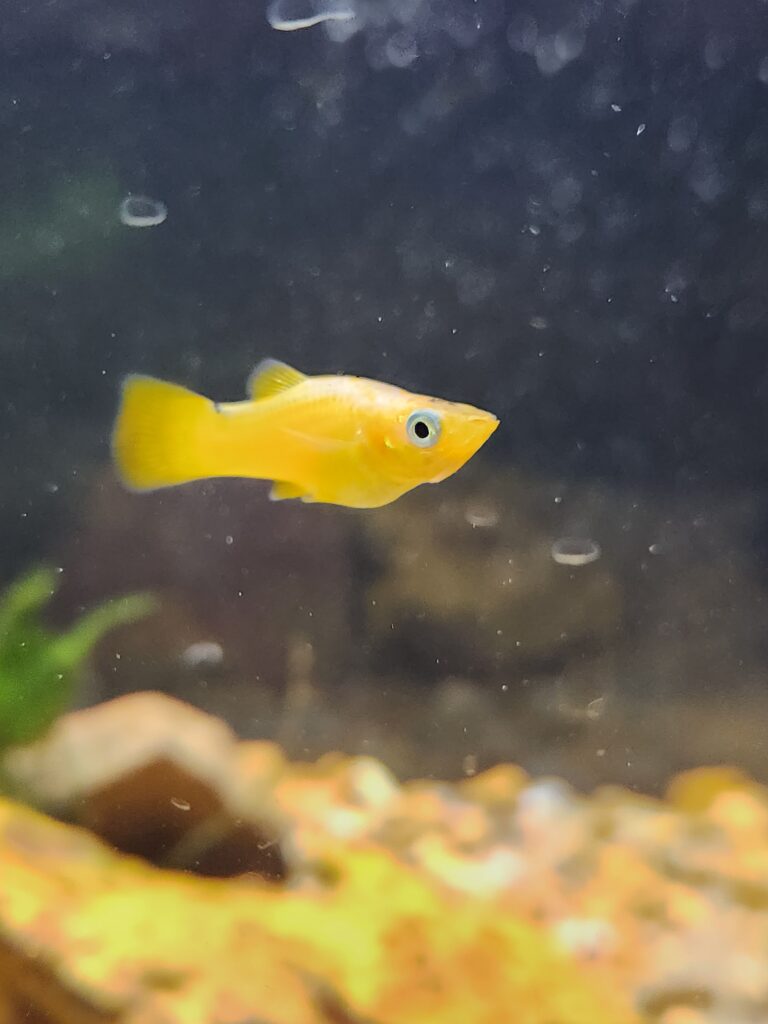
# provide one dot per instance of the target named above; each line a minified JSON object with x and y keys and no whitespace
{"x":91,"y":937}
{"x":695,"y":790}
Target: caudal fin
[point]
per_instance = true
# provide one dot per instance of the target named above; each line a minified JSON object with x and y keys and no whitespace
{"x":162,"y":434}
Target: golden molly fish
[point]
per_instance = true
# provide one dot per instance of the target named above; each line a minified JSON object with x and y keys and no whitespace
{"x":337,"y":439}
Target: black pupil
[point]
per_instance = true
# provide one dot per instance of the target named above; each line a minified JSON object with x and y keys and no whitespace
{"x":421,"y":430}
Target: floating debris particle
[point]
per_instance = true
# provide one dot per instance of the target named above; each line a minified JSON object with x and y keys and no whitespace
{"x":181,"y":805}
{"x":291,"y":15}
{"x":142,"y":212}
{"x":575,"y":551}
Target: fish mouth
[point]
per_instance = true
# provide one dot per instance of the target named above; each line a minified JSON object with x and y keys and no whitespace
{"x":483,"y":426}
{"x":480,"y":427}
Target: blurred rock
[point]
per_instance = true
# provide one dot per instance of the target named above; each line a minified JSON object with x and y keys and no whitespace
{"x":270,"y":585}
{"x":89,"y":937}
{"x":666,"y":900}
{"x":161,"y":779}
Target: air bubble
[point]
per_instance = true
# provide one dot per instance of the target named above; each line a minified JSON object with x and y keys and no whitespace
{"x":142,"y":212}
{"x":575,"y":551}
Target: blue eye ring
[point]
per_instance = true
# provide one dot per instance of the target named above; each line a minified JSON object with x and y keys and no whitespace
{"x":423,"y":428}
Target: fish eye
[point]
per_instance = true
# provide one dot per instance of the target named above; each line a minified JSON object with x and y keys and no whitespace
{"x":423,"y":428}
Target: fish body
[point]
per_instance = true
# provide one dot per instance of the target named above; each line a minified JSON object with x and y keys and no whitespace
{"x":337,"y":439}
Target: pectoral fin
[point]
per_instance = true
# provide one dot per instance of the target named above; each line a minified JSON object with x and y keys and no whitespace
{"x":283,"y":489}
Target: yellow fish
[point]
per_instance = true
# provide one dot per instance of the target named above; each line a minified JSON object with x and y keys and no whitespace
{"x":336,"y":439}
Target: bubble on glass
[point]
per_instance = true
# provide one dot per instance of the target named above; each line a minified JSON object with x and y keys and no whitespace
{"x":575,"y":551}
{"x":640,"y":129}
{"x":762,"y":71}
{"x":292,"y":15}
{"x":142,"y":212}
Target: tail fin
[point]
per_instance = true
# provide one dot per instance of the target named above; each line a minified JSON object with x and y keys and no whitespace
{"x":161,"y":436}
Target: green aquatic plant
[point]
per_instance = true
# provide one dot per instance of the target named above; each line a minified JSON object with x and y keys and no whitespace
{"x":39,"y":666}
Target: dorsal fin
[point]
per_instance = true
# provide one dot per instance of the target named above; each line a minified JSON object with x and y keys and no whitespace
{"x":271,"y":377}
